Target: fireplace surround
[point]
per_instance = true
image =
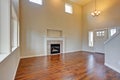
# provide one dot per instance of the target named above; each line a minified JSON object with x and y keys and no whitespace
{"x":58,"y":42}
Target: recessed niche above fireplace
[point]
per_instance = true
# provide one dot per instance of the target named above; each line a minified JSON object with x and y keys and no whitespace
{"x":54,"y":33}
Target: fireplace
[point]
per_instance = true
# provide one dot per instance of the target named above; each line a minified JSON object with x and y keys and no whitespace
{"x":54,"y":45}
{"x":55,"y":48}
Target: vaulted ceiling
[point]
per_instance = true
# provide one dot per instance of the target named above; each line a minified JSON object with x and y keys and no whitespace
{"x":81,"y":2}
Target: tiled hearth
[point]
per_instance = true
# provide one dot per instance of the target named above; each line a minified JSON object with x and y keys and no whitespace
{"x":55,"y":41}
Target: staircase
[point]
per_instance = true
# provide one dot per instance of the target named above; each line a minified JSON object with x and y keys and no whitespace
{"x":112,"y":52}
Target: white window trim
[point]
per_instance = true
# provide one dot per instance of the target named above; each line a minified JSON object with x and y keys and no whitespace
{"x":111,"y":34}
{"x":91,"y":41}
{"x":14,"y":30}
{"x":40,"y":2}
{"x":68,"y":8}
{"x":3,"y":56}
{"x":100,"y":33}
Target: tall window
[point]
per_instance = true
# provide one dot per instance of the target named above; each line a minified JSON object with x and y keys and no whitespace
{"x":0,"y":26}
{"x":4,"y":26}
{"x":68,"y":8}
{"x":36,"y":1}
{"x":14,"y":30}
{"x":90,"y":38}
{"x":9,"y":29}
{"x":113,"y":31}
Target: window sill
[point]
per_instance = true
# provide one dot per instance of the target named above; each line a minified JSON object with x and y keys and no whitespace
{"x":14,"y":48}
{"x":3,"y":56}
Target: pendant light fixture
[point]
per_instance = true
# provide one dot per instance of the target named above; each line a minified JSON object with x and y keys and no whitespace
{"x":95,"y":12}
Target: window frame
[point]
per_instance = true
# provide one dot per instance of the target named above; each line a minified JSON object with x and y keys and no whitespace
{"x":14,"y":30}
{"x":100,"y":33}
{"x":91,"y":39}
{"x":5,"y":29}
{"x":110,"y":30}
{"x":40,"y":2}
{"x":68,"y":8}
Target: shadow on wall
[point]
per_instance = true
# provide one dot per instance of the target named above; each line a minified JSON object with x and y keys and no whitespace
{"x":35,"y":42}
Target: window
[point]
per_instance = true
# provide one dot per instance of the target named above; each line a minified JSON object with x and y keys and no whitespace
{"x":113,"y":31}
{"x":90,"y":37}
{"x":0,"y":27}
{"x":36,"y":1}
{"x":14,"y":30}
{"x":5,"y":26}
{"x":4,"y":29}
{"x":97,"y":34}
{"x":14,"y":35}
{"x":68,"y":8}
{"x":9,"y":29}
{"x":100,"y":33}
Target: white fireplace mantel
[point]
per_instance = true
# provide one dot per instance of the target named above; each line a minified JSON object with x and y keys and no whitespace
{"x":55,"y":38}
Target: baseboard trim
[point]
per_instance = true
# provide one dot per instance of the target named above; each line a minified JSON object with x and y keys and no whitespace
{"x":99,"y":53}
{"x":32,"y":56}
{"x":16,"y":68}
{"x":88,"y":51}
{"x":67,"y":52}
{"x":112,"y":67}
{"x":22,"y":57}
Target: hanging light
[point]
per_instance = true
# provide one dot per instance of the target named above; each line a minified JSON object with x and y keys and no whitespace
{"x":95,"y":12}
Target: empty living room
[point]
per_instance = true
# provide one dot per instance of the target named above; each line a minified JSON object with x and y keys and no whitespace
{"x":59,"y":39}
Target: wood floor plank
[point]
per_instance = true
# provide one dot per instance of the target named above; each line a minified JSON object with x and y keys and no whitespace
{"x":71,"y":66}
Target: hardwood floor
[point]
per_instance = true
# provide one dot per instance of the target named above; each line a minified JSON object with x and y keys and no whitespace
{"x":72,"y":66}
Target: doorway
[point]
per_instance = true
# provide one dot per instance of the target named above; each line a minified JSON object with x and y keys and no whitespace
{"x":100,"y":36}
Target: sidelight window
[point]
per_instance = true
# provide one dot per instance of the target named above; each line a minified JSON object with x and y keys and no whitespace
{"x":90,"y":38}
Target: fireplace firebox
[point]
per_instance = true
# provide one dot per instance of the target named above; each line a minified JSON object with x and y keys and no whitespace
{"x":55,"y":48}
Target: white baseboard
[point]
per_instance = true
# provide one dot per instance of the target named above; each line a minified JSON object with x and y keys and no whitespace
{"x":112,"y":67}
{"x":44,"y":55}
{"x":16,"y":69}
{"x":71,"y":51}
{"x":88,"y":51}
{"x":32,"y":56}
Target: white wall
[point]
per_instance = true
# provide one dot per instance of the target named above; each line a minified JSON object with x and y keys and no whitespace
{"x":36,"y":19}
{"x":112,"y":53}
{"x":109,"y":17}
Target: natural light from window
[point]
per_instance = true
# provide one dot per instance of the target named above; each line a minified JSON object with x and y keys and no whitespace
{"x":36,"y":1}
{"x":100,"y":33}
{"x":14,"y":30}
{"x":68,"y":8}
{"x":90,"y":38}
{"x":9,"y":29}
{"x":113,"y":31}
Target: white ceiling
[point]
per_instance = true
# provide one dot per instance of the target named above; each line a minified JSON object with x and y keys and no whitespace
{"x":81,"y":2}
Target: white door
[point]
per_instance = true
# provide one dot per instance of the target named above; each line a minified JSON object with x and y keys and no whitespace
{"x":100,"y":36}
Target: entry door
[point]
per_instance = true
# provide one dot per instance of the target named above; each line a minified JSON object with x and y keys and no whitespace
{"x":99,"y":39}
